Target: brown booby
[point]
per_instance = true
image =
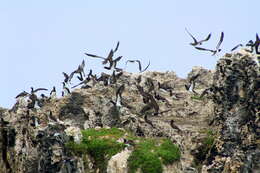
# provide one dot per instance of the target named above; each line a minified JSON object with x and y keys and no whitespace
{"x":214,"y":52}
{"x":139,"y":65}
{"x":148,"y":98}
{"x":195,"y":43}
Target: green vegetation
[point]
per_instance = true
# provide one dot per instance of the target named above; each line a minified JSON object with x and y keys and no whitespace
{"x":100,"y":144}
{"x":149,"y":155}
{"x":196,"y":97}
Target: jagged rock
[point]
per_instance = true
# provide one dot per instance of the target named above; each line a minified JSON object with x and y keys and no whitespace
{"x":31,"y":141}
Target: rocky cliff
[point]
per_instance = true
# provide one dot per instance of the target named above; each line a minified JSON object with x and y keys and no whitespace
{"x":212,"y":117}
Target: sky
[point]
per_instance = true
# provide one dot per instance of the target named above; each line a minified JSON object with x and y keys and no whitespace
{"x":41,"y":39}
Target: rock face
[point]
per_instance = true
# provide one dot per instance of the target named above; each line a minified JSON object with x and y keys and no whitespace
{"x":216,"y":125}
{"x":236,"y":89}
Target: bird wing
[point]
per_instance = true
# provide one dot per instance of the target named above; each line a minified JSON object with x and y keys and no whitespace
{"x":40,"y":89}
{"x":194,"y":39}
{"x":208,"y":37}
{"x":71,"y":75}
{"x":118,"y":58}
{"x":24,"y":93}
{"x":145,"y":67}
{"x":204,"y":49}
{"x":117,"y":45}
{"x":94,"y":56}
{"x":234,"y":48}
{"x":109,"y":57}
{"x":220,"y":41}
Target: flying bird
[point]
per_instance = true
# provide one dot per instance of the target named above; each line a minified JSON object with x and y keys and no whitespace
{"x":217,"y":47}
{"x":139,"y":65}
{"x":195,"y":42}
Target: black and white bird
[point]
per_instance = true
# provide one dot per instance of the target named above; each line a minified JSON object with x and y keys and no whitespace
{"x":195,"y":42}
{"x":53,"y":92}
{"x":66,"y":90}
{"x":214,"y":52}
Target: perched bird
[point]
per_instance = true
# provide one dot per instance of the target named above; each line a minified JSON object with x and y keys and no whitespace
{"x":53,"y":92}
{"x":148,"y":98}
{"x":195,"y":42}
{"x":66,"y":90}
{"x":139,"y":65}
{"x":214,"y":52}
{"x":66,"y":77}
{"x":239,"y":45}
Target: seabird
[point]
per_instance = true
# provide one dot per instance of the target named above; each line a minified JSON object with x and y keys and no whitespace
{"x":66,"y":90}
{"x":139,"y":65}
{"x":105,"y":60}
{"x":113,"y":63}
{"x":119,"y":91}
{"x":66,"y":76}
{"x":217,"y":47}
{"x":148,"y":97}
{"x":192,"y":83}
{"x":53,"y":92}
{"x":174,"y":126}
{"x":115,"y":76}
{"x":239,"y":45}
{"x":195,"y":43}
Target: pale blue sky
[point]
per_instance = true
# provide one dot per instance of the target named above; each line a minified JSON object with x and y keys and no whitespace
{"x":41,"y":39}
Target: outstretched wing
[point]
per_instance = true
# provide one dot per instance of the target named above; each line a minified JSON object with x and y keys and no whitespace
{"x":194,"y":39}
{"x":94,"y":56}
{"x":204,"y":49}
{"x":117,"y":45}
{"x":40,"y":89}
{"x":220,"y":40}
{"x":208,"y":37}
{"x":145,"y":67}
